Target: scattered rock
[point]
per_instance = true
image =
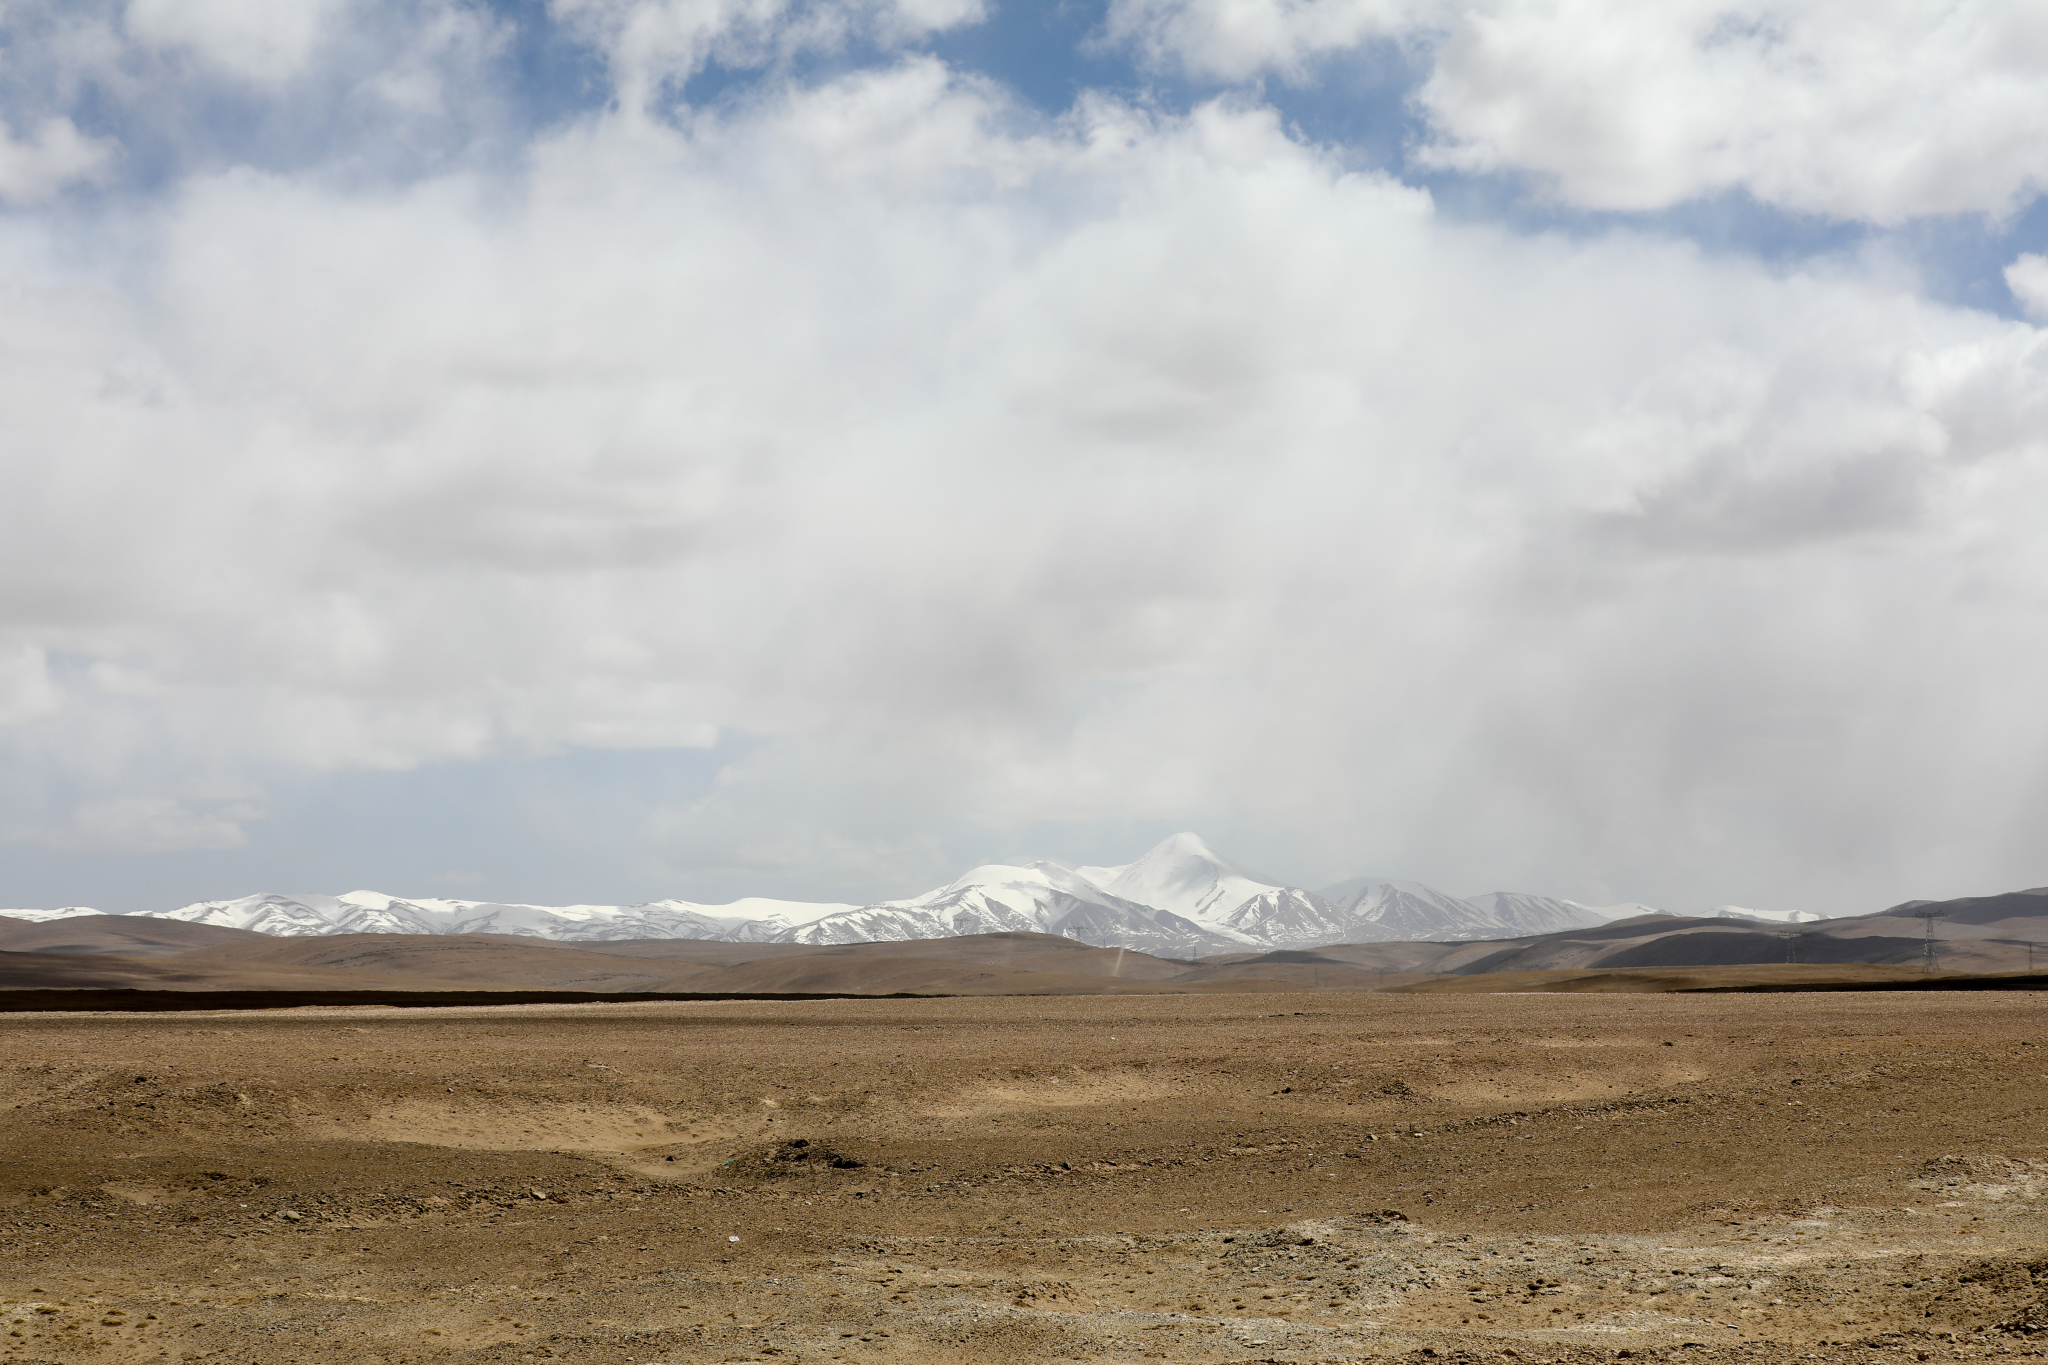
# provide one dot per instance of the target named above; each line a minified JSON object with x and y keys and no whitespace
{"x":792,"y":1157}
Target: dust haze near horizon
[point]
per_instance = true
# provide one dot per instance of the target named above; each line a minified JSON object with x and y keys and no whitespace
{"x":611,"y":449}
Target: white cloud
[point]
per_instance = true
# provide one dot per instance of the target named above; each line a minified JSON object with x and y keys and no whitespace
{"x":260,"y":41}
{"x":919,"y":17}
{"x":2027,"y":277}
{"x":1235,"y":40}
{"x":986,"y":475}
{"x":654,"y":46}
{"x":27,"y":691}
{"x":35,"y":168}
{"x":1852,"y":110}
{"x":133,"y":95}
{"x":1844,"y":108}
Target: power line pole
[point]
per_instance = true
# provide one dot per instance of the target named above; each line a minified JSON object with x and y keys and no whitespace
{"x":1930,"y":958}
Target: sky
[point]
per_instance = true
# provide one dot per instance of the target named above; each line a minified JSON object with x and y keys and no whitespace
{"x":602,"y":450}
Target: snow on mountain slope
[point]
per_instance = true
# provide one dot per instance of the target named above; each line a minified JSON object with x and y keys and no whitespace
{"x":1042,"y":897}
{"x":1181,"y":899}
{"x":988,"y":900}
{"x":1184,"y":876}
{"x":1524,"y":914}
{"x":868,"y":924}
{"x":1381,"y":910}
{"x":1181,"y":874}
{"x":1768,"y":916}
{"x":288,"y":916}
{"x":373,"y":912}
{"x":1288,"y":917}
{"x":1235,"y":911}
{"x":1378,"y":911}
{"x":1159,"y":932}
{"x":762,"y":919}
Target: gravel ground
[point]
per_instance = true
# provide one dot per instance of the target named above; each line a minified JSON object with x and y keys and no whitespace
{"x":1222,"y":1178}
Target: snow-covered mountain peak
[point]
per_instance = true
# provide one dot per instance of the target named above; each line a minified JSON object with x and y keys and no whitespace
{"x":1000,"y":874}
{"x":1063,"y":878}
{"x":1184,"y":875}
{"x":1042,"y":897}
{"x":1186,"y":844}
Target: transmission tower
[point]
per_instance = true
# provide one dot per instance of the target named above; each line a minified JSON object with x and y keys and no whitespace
{"x":1929,"y":955}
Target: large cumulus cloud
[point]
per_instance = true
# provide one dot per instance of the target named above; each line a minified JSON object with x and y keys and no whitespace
{"x":996,"y":474}
{"x":1856,"y":110}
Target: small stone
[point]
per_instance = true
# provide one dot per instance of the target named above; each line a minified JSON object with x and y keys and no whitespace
{"x":538,"y":1194}
{"x":291,"y":1215}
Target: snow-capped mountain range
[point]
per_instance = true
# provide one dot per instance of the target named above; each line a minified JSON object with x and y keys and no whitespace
{"x":1181,"y":899}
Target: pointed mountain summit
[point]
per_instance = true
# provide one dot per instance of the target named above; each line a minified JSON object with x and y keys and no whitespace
{"x":1039,"y":897}
{"x":1185,"y":876}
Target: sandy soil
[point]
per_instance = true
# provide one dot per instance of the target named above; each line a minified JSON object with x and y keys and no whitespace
{"x":1184,"y":1178}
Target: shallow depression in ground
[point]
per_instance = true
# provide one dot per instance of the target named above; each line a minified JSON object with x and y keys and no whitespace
{"x":1298,"y":1177}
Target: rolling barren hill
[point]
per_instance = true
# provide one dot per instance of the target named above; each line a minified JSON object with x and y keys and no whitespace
{"x":127,"y":935}
{"x":473,"y":959}
{"x":106,"y":971}
{"x":2014,"y":909}
{"x":984,"y":964}
{"x":1995,"y":940}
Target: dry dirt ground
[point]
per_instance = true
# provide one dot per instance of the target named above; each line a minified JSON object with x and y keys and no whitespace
{"x":1239,"y":1178}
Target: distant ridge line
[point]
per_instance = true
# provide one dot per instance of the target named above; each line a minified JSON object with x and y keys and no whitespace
{"x":2022,"y":982}
{"x":1181,"y":899}
{"x":122,"y":999}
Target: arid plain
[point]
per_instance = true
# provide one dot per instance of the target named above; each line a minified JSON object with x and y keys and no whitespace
{"x":1237,"y":1177}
